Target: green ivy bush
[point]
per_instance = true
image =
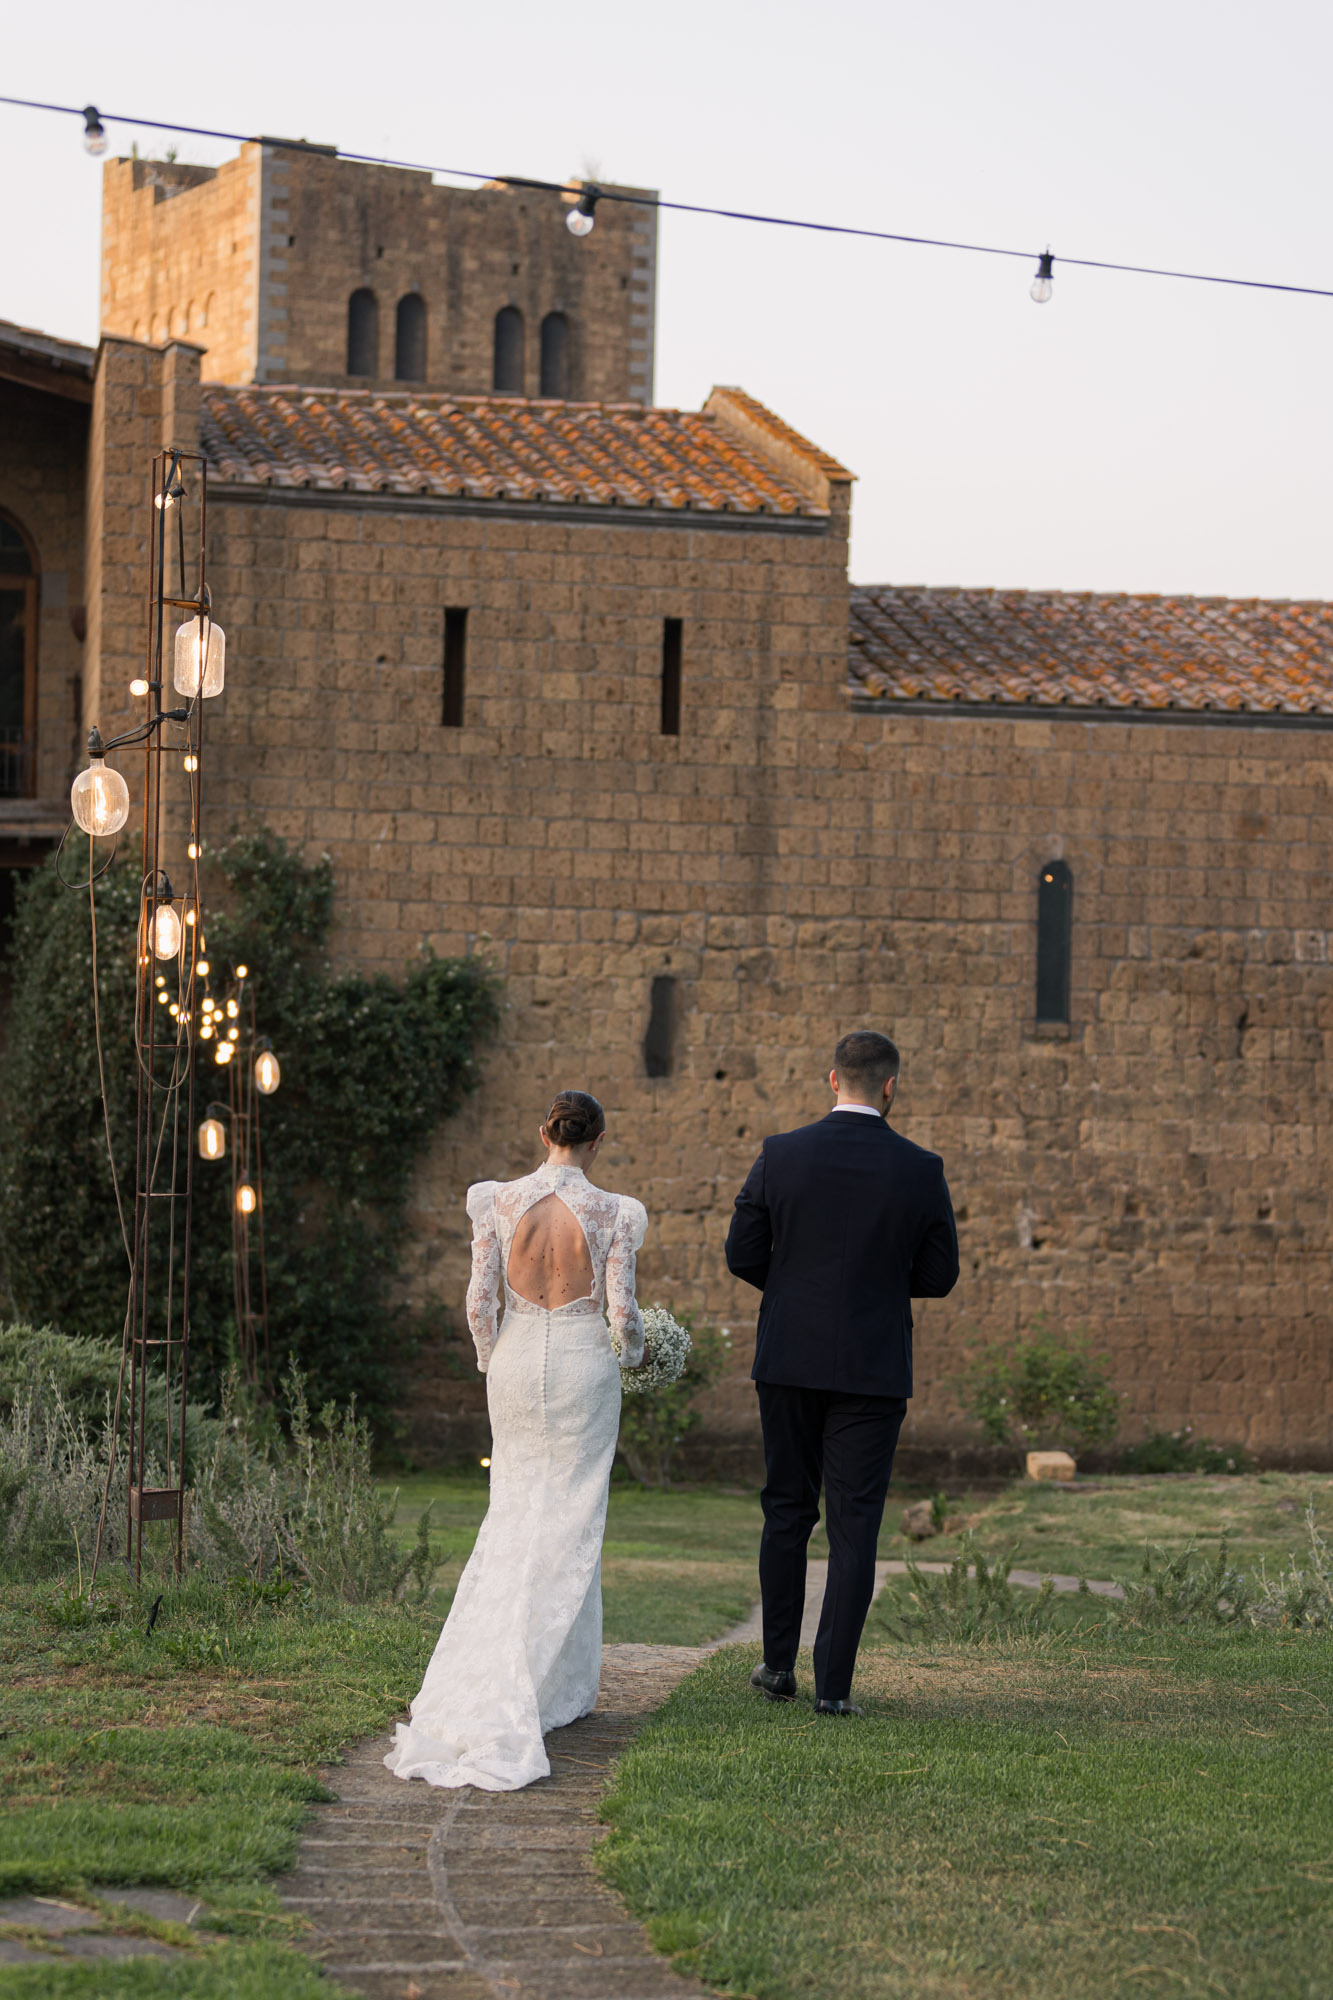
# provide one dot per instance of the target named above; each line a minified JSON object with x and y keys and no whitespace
{"x":370,"y":1067}
{"x":1047,"y":1391}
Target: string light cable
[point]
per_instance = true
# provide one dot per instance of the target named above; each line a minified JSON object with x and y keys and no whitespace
{"x":586,"y":196}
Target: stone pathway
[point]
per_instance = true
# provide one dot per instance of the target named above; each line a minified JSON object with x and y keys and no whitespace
{"x":417,"y":1894}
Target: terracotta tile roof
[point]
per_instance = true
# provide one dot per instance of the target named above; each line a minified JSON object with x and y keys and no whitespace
{"x":489,"y":448}
{"x":1081,"y":649}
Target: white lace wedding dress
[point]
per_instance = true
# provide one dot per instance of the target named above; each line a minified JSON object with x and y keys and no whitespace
{"x":521,"y":1649}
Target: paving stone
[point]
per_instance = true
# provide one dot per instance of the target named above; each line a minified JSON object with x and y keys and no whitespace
{"x":48,"y":1914}
{"x":166,"y":1905}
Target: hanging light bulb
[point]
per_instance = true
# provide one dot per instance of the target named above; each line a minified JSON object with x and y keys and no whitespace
{"x":139,"y":688}
{"x":99,"y":797}
{"x":580,"y":220}
{"x":94,"y":132}
{"x":212,"y":1139}
{"x":1043,"y":284}
{"x":247,"y":1201}
{"x":193,"y":850}
{"x":190,"y":761}
{"x":233,"y":1034}
{"x":201,"y":657}
{"x":268,"y":1072}
{"x":205,"y":1030}
{"x":224,"y":1053}
{"x":166,"y":925}
{"x":233,"y":1008}
{"x":202,"y":968}
{"x":242,"y":972}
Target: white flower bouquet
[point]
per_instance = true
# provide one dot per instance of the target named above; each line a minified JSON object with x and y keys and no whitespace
{"x":666,"y":1349}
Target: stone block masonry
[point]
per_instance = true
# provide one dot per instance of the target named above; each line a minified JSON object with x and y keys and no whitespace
{"x":1156,"y":1172}
{"x":1157,"y":1175}
{"x":256,"y":262}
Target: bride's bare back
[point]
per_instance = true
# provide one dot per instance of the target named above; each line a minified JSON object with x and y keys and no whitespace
{"x":549,"y":1263}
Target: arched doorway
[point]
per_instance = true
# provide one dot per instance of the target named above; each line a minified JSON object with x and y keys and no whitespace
{"x":18,"y":663}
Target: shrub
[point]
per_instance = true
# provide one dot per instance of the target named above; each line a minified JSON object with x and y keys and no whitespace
{"x":1180,"y":1590}
{"x":1181,"y":1451}
{"x":370,"y":1067}
{"x":1042,"y":1393}
{"x":653,"y":1424}
{"x":971,"y":1601}
{"x":259,"y":1505}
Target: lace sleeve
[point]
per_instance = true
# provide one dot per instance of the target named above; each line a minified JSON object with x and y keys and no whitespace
{"x":622,"y":1308}
{"x":484,"y":1285}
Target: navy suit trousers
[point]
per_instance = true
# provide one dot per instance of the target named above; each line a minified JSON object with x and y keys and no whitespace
{"x":814,"y":1438}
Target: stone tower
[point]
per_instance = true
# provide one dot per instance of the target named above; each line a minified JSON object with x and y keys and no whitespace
{"x":290,"y":265}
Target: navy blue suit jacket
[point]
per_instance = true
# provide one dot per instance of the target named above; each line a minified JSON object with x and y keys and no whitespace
{"x":841,"y":1225}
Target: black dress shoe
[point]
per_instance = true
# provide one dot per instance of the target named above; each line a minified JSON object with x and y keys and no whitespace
{"x":837,"y":1708}
{"x":774,"y":1683}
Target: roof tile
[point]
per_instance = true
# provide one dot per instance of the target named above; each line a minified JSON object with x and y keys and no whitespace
{"x":1015,"y":647}
{"x":488,"y":448}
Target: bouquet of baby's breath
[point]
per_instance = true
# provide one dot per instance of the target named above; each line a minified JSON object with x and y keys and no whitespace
{"x":666,"y":1349}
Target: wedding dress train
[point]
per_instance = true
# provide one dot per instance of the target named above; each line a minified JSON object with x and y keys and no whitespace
{"x":521,"y":1649}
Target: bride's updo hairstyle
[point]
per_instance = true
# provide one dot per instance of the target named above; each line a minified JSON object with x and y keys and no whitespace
{"x":574,"y":1119}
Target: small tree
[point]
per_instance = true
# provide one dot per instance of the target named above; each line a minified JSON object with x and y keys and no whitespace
{"x":1044,"y":1392}
{"x":653,"y":1424}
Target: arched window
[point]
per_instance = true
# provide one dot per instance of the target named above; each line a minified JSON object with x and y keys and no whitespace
{"x":1055,"y":931}
{"x":508,"y":378}
{"x":363,"y":333}
{"x":18,"y":665}
{"x":659,"y":1041}
{"x":409,"y":341}
{"x":555,"y":355}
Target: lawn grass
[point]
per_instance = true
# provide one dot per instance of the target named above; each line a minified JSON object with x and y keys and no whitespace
{"x":678,"y":1568}
{"x":1098,"y":1529}
{"x":185,"y":1759}
{"x":1090,"y":1817}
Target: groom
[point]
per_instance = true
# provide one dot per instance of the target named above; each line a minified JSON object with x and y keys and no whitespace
{"x":840,"y":1225}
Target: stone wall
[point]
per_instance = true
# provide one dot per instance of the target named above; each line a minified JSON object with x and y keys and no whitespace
{"x":1159,"y":1174}
{"x":41,"y":488}
{"x":256,"y":261}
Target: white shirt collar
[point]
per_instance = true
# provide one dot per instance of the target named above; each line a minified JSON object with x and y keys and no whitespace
{"x":868,"y":1109}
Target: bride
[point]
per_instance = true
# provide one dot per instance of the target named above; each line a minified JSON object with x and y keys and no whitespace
{"x":521,"y":1649}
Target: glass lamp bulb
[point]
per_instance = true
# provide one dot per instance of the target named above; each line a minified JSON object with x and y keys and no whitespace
{"x":166,"y":931}
{"x":268,"y":1073}
{"x":242,"y":972}
{"x":233,"y":1009}
{"x":212,"y":1139}
{"x":247,"y":1201}
{"x":1041,"y":290}
{"x":139,"y":687}
{"x":201,"y":657}
{"x":100,"y":799}
{"x":233,"y":1034}
{"x":190,"y":761}
{"x":579,"y":224}
{"x":205,"y":1030}
{"x":224,"y":1054}
{"x":202,"y":968}
{"x":94,"y":132}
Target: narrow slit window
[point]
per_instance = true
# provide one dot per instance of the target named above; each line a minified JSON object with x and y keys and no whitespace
{"x":455,"y":664}
{"x":555,"y":355}
{"x":508,"y":376}
{"x":659,"y":1041}
{"x":363,"y":333}
{"x":409,"y":345}
{"x":1055,"y":932}
{"x":671,"y":645}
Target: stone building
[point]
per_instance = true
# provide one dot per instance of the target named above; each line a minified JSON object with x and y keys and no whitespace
{"x":583,"y":686}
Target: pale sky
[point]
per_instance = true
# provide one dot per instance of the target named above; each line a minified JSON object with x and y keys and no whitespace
{"x":1134,"y":434}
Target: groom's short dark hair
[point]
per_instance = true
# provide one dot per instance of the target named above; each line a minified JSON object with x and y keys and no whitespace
{"x":866,"y":1060}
